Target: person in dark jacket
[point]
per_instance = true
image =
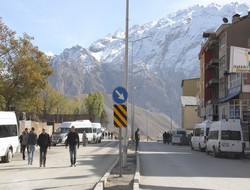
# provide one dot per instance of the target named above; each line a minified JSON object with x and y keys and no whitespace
{"x":24,"y":140}
{"x":32,"y":141}
{"x":137,"y":138}
{"x":44,"y":142}
{"x":72,"y":141}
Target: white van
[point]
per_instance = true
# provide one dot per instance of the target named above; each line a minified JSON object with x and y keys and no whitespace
{"x":225,"y":137}
{"x":200,"y":135}
{"x":9,"y":143}
{"x":99,"y":131}
{"x":61,"y":133}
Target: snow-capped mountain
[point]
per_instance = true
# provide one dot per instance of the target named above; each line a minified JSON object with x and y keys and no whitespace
{"x":166,"y":50}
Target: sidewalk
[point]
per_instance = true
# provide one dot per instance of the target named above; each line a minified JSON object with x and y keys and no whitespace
{"x":130,"y":173}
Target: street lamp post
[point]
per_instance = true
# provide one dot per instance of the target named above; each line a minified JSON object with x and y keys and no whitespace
{"x":170,"y":120}
{"x":133,"y":89}
{"x":147,"y":124}
{"x":132,"y":86}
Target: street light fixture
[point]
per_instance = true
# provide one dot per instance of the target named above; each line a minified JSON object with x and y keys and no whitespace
{"x":132,"y":79}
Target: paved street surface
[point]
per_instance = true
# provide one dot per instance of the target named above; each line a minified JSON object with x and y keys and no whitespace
{"x":175,"y":167}
{"x":93,"y":162}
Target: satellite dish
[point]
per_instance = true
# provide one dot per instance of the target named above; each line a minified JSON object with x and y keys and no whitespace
{"x":225,"y":20}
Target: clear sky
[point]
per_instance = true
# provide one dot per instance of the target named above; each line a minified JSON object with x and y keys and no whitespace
{"x":60,"y":24}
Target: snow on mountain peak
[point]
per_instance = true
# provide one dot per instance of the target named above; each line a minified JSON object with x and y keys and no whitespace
{"x":169,"y":48}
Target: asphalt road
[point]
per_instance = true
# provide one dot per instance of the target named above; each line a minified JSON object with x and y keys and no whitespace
{"x":175,"y":167}
{"x":93,"y":162}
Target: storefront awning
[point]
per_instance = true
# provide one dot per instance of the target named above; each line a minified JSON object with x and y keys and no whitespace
{"x":228,"y":97}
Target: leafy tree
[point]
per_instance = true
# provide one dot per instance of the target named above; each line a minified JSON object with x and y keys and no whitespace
{"x":94,"y":104}
{"x":23,"y":70}
{"x":50,"y":100}
{"x":104,"y":118}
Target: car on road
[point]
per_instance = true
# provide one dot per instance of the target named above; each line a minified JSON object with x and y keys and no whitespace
{"x":180,"y":139}
{"x":159,"y":138}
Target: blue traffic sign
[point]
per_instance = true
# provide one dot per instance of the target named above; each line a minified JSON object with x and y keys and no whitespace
{"x":120,"y":95}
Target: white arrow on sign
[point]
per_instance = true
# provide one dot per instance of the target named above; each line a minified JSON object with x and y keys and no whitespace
{"x":120,"y":95}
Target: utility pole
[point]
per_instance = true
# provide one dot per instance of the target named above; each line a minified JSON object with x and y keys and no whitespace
{"x":125,"y":142}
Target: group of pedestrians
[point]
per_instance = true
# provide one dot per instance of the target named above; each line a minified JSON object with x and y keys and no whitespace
{"x":29,"y":141}
{"x":166,"y":137}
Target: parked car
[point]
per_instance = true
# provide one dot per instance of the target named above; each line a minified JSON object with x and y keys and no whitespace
{"x":225,"y":138}
{"x":159,"y":138}
{"x":180,"y":139}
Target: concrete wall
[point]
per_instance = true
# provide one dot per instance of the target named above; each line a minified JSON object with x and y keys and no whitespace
{"x":190,"y":117}
{"x":38,"y":126}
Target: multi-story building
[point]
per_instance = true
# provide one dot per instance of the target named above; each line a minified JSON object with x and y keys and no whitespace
{"x":225,"y":95}
{"x":209,"y":78}
{"x":189,"y":103}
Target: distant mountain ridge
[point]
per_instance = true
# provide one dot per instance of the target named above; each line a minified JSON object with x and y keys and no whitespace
{"x":169,"y":52}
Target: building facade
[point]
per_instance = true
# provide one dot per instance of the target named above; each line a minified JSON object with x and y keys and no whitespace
{"x":189,"y":103}
{"x":225,"y":95}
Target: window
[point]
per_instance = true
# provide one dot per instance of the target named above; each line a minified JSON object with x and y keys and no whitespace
{"x":222,"y":41}
{"x":246,"y":78}
{"x":235,"y":80}
{"x":8,"y":131}
{"x":230,"y":135}
{"x":202,"y":132}
{"x":197,"y":132}
{"x":213,"y":135}
{"x":62,"y":130}
{"x":234,"y":109}
{"x":207,"y":131}
{"x":223,"y":62}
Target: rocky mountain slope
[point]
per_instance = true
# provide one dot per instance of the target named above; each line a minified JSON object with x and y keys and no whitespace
{"x":166,"y":54}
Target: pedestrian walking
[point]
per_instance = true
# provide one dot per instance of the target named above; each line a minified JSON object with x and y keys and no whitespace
{"x":72,"y":141}
{"x":24,"y":140}
{"x":32,"y":141}
{"x":164,"y":137}
{"x":44,"y":142}
{"x":137,"y":139}
{"x":84,"y":138}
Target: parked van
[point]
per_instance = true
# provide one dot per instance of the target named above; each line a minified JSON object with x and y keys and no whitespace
{"x":9,"y":143}
{"x":225,"y":137}
{"x":90,"y":130}
{"x":200,"y":135}
{"x":99,"y":131}
{"x":61,"y":133}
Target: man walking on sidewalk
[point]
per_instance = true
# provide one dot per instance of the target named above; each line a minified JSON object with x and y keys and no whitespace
{"x":32,"y":141}
{"x":24,"y":141}
{"x":72,"y":140}
{"x":44,"y":142}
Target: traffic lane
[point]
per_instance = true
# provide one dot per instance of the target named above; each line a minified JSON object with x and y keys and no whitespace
{"x":92,"y":163}
{"x":167,"y":166}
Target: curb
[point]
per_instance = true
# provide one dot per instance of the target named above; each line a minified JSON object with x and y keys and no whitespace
{"x":101,"y":184}
{"x":137,"y":173}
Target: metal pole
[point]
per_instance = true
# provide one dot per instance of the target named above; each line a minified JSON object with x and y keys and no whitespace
{"x":171,"y":120}
{"x":120,"y":152}
{"x":132,"y":95}
{"x":147,"y":124}
{"x":133,"y":114}
{"x":126,"y":81}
